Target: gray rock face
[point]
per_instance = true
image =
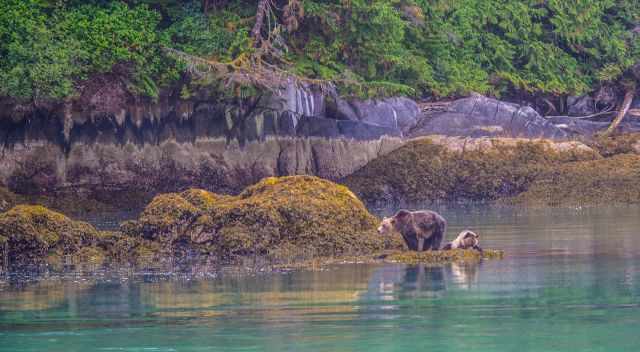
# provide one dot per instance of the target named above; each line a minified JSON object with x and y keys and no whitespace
{"x":479,"y":116}
{"x":300,"y":99}
{"x":167,"y":147}
{"x":584,"y":127}
{"x":581,"y":106}
{"x":399,"y":113}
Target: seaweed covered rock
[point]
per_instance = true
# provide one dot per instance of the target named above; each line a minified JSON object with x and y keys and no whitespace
{"x":277,"y":217}
{"x":441,"y":257}
{"x":36,"y":235}
{"x":607,"y":181}
{"x":452,"y":169}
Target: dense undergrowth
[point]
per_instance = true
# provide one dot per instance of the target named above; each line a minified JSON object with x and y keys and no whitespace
{"x":50,"y":49}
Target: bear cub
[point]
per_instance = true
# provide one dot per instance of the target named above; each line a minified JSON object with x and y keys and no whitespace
{"x":465,"y":240}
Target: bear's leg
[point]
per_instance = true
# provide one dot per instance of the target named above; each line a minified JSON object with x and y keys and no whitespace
{"x":435,"y":244}
{"x":411,"y":241}
{"x":428,"y":242}
{"x":438,"y":235}
{"x":420,"y":244}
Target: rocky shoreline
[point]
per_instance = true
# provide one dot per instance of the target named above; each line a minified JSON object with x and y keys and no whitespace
{"x":293,"y":221}
{"x":539,"y":172}
{"x":124,"y":154}
{"x":212,"y":180}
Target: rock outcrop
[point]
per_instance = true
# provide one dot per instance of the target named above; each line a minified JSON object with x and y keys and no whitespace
{"x":479,"y":116}
{"x":397,"y":113}
{"x":286,"y":218}
{"x":277,"y":217}
{"x":34,"y":235}
{"x":444,"y":168}
{"x":173,"y":144}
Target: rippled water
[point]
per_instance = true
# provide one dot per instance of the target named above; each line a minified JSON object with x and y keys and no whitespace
{"x":570,"y":281}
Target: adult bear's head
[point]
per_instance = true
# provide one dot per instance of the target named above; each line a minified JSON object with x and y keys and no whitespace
{"x":394,"y":223}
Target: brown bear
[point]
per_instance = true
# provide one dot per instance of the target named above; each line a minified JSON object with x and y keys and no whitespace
{"x":421,"y":230}
{"x":465,"y":240}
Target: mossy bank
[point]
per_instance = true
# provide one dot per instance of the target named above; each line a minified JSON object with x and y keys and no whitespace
{"x":602,"y":171}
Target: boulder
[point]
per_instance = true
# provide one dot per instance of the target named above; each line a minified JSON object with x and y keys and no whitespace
{"x":479,"y":116}
{"x":574,"y":126}
{"x":36,"y":235}
{"x":444,"y":168}
{"x":299,"y":98}
{"x":398,"y":113}
{"x":280,"y":217}
{"x":581,"y":106}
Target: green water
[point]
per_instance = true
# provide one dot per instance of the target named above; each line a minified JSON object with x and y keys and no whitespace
{"x":570,"y":282}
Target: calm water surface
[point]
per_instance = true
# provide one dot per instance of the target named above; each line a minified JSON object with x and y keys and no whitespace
{"x":570,"y":282}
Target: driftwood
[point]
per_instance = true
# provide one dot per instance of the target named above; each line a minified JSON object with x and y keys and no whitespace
{"x":626,"y":104}
{"x":585,"y":116}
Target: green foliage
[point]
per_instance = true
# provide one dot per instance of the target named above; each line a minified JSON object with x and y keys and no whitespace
{"x":369,"y":47}
{"x":47,"y":49}
{"x":216,"y":36}
{"x":35,"y":60}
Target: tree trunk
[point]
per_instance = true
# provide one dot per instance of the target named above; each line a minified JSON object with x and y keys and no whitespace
{"x":261,"y":12}
{"x":626,"y":103}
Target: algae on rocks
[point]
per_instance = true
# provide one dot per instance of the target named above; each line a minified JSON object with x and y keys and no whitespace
{"x":285,"y":217}
{"x":509,"y":170}
{"x":443,"y":257}
{"x":35,"y":235}
{"x":278,"y":218}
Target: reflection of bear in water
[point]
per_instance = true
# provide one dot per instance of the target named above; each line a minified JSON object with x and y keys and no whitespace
{"x":421,"y":230}
{"x":394,"y":281}
{"x":420,"y":279}
{"x":463,"y":274}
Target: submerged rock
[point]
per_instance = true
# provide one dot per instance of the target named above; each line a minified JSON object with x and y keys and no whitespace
{"x":36,"y":235}
{"x":441,"y":257}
